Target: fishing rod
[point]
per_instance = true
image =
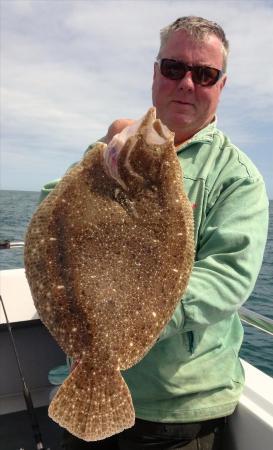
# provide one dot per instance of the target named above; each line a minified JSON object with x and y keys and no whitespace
{"x":27,"y":396}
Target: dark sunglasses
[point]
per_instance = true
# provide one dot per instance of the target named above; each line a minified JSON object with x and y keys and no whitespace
{"x":176,"y":70}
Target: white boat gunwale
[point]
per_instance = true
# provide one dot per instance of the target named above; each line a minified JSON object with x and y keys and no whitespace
{"x":250,"y":428}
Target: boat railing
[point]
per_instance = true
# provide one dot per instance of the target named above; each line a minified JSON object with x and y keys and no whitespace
{"x":6,"y":244}
{"x":256,"y":320}
{"x":247,"y":316}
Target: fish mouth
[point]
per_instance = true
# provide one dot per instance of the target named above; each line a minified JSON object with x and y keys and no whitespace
{"x":153,"y":132}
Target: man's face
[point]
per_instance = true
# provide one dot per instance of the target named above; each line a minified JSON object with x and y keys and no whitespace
{"x":182,"y":105}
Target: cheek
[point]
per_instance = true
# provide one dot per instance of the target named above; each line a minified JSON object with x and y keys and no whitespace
{"x":161,"y":90}
{"x":207,"y":100}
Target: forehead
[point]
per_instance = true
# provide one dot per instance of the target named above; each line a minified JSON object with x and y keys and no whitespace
{"x":181,"y":45}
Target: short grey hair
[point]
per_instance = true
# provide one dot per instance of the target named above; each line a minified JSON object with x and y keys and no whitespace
{"x":198,"y":28}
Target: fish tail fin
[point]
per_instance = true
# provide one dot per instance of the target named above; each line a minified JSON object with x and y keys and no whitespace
{"x":93,"y":403}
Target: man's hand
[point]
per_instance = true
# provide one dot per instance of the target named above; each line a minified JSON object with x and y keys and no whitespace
{"x":115,"y":128}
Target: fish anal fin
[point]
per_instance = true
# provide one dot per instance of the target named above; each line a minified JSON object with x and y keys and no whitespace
{"x":93,"y":404}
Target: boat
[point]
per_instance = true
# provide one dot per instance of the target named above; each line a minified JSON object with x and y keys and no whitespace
{"x":36,"y":352}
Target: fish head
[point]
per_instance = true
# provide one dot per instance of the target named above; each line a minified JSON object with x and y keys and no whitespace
{"x":134,"y":156}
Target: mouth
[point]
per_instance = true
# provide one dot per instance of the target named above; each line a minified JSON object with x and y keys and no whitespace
{"x":182,"y":102}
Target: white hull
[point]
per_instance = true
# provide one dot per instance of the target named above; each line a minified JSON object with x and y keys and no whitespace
{"x":251,"y":428}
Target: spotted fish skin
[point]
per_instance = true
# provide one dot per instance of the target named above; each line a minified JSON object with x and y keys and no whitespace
{"x":108,"y":255}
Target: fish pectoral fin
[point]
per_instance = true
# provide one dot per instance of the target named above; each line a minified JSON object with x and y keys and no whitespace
{"x":93,"y":403}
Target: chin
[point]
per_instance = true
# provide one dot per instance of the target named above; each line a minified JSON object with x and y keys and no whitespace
{"x":175,"y":124}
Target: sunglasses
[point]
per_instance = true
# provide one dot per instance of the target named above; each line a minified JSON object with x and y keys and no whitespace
{"x":176,"y":70}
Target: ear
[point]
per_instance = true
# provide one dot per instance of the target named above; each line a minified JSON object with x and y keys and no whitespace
{"x":155,"y":68}
{"x":223,"y":81}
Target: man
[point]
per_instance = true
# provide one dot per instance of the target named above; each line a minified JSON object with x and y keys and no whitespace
{"x":190,"y":382}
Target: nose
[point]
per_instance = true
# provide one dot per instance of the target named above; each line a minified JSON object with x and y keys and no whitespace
{"x":186,"y":83}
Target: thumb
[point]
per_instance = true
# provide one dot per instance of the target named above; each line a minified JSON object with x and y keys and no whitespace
{"x":116,"y":127}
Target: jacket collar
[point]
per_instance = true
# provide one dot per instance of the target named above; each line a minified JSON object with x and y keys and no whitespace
{"x":204,"y":135}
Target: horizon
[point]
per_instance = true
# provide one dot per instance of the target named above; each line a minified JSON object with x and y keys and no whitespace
{"x":38,"y":192}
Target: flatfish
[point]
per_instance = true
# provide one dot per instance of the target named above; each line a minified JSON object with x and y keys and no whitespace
{"x":108,"y":255}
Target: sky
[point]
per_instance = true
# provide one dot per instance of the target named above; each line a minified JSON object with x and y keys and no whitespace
{"x":71,"y":67}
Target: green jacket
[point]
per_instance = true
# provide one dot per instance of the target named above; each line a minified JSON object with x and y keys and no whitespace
{"x":193,"y":372}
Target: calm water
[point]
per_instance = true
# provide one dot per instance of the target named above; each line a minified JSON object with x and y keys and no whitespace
{"x":17,"y":208}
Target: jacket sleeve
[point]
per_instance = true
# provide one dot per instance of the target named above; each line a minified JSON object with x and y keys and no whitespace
{"x":228,"y":257}
{"x":48,"y":187}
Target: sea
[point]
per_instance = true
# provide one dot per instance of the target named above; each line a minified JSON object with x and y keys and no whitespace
{"x":17,"y":207}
